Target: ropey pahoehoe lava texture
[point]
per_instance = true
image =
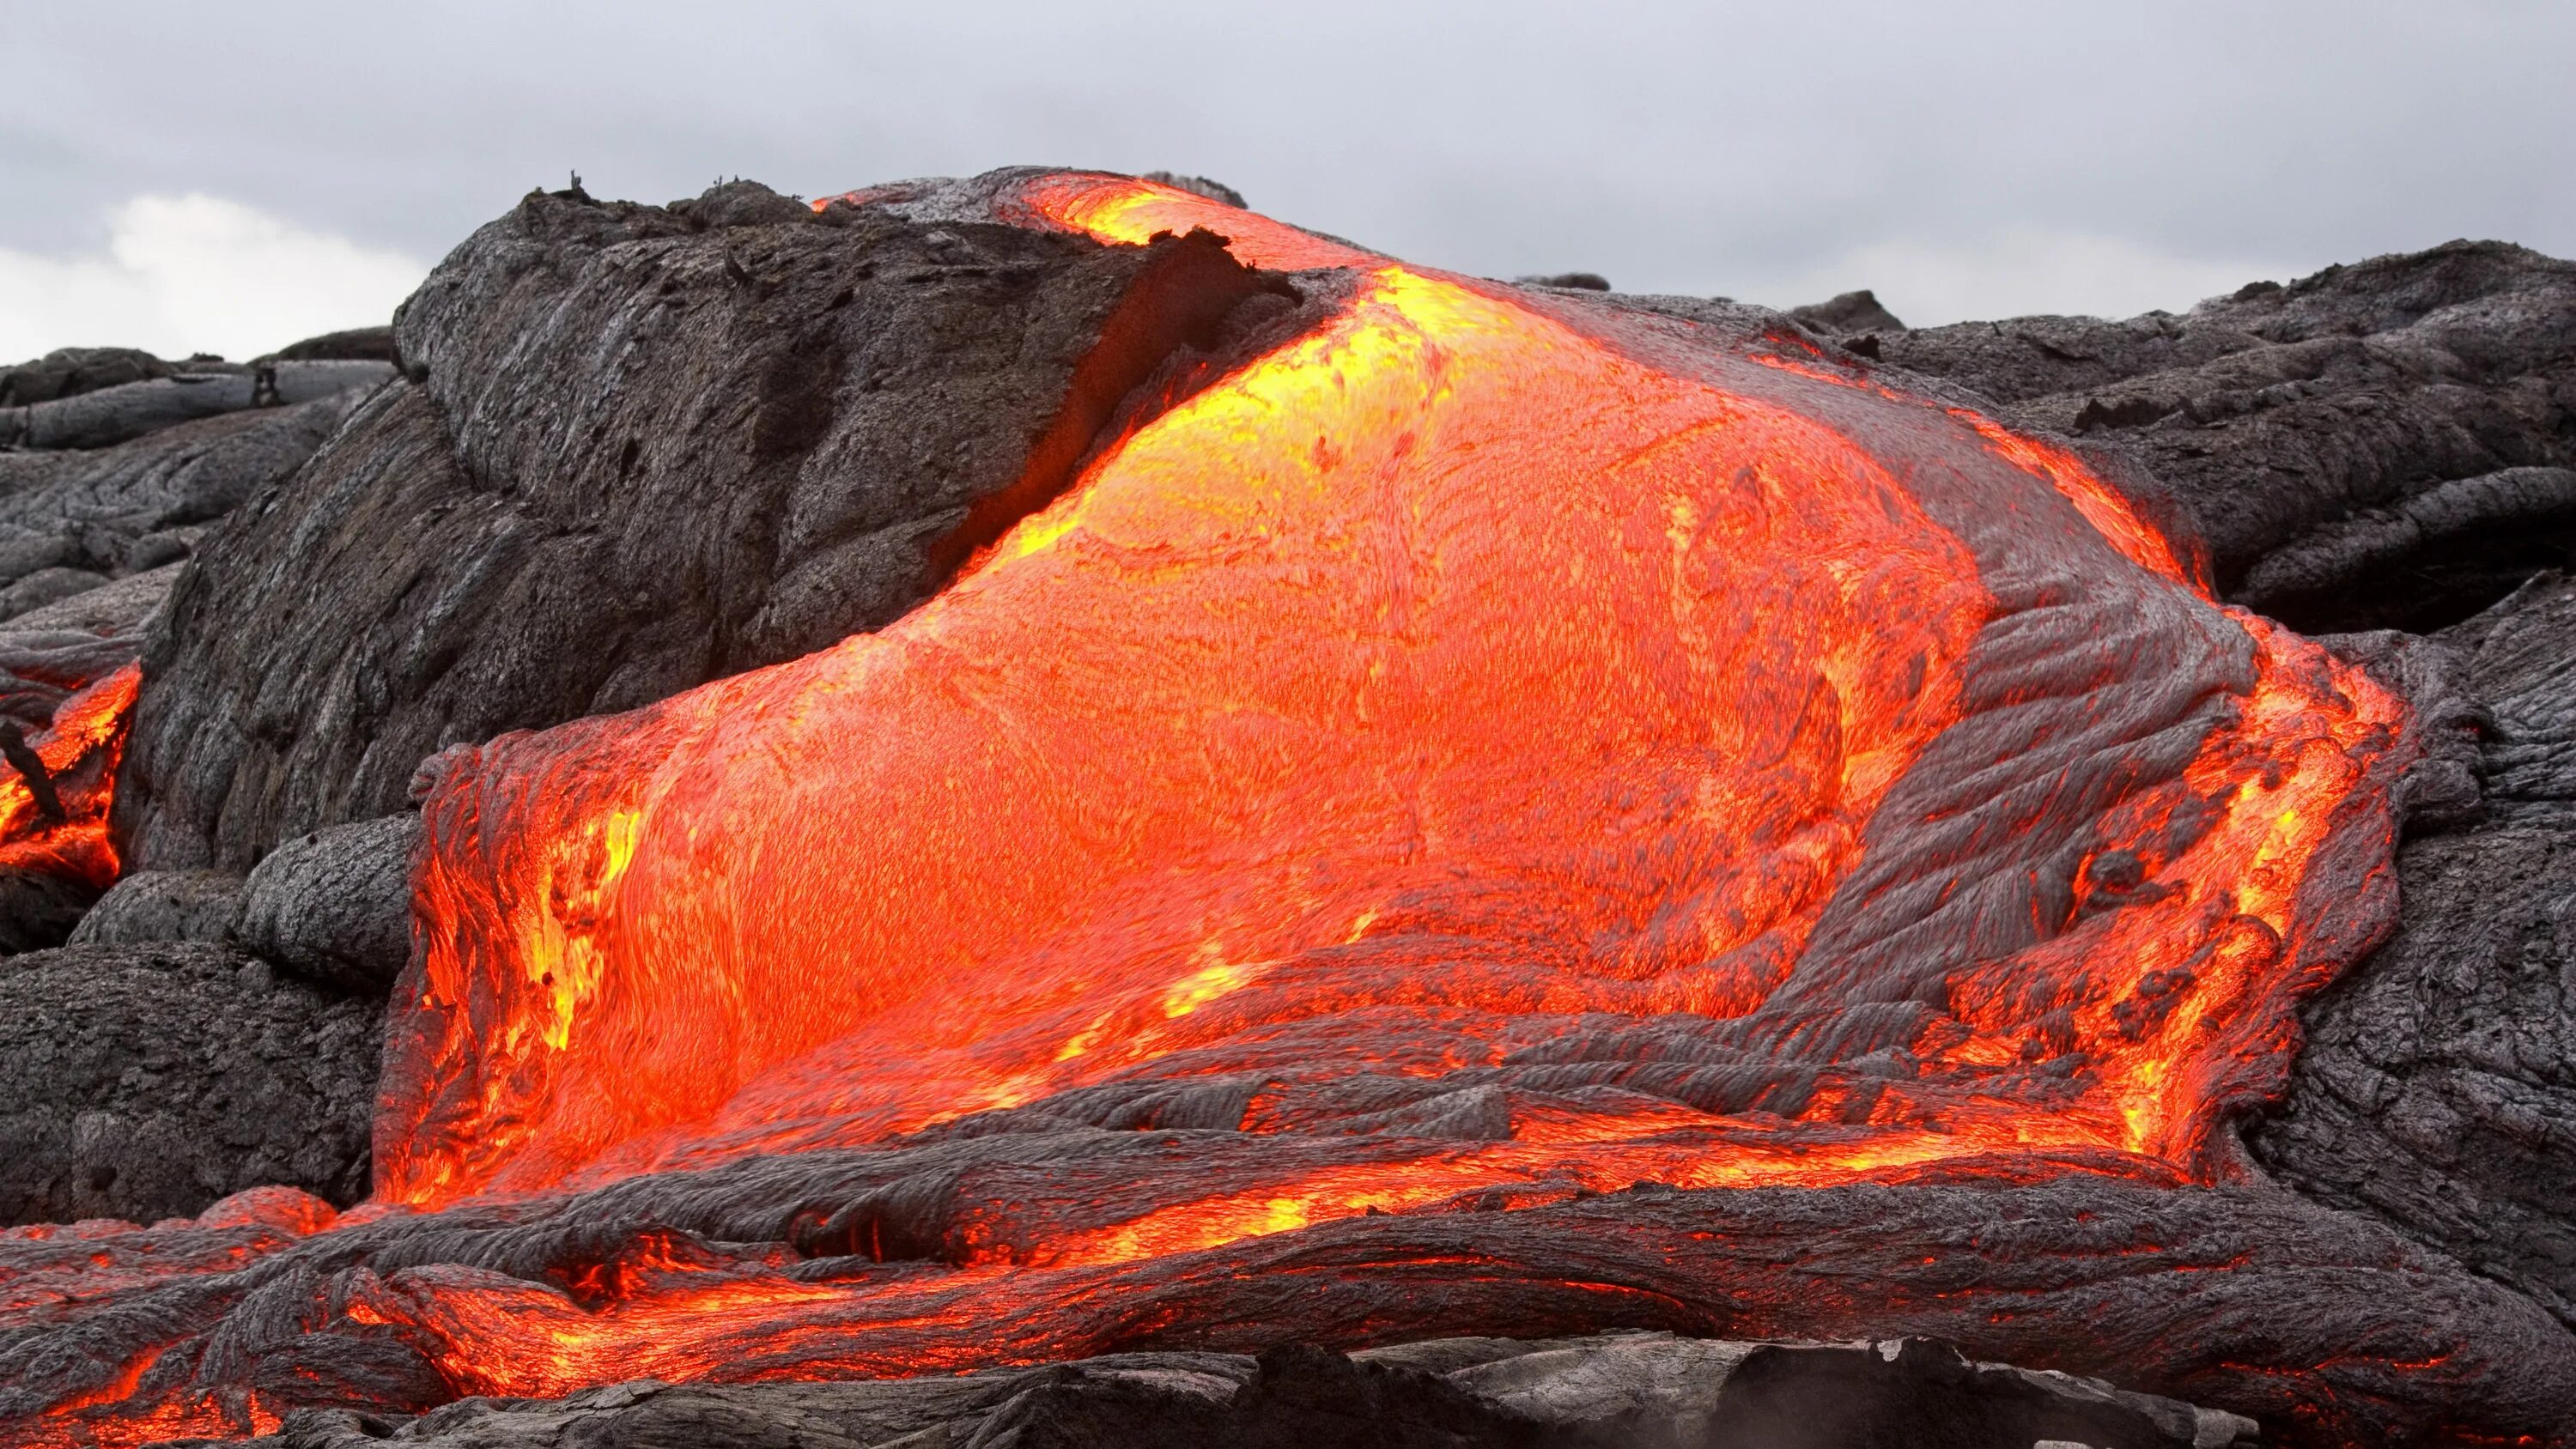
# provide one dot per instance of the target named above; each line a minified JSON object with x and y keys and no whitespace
{"x":1439,"y":808}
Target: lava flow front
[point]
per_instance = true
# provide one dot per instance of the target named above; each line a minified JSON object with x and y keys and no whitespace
{"x":1491,"y":748}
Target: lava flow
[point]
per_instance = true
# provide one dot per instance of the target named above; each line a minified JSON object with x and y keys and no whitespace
{"x":63,"y":831}
{"x":1489,"y":749}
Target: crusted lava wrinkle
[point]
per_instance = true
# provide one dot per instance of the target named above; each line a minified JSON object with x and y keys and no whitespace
{"x":1488,"y":750}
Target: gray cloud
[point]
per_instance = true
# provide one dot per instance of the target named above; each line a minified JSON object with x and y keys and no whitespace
{"x":2075,"y":157}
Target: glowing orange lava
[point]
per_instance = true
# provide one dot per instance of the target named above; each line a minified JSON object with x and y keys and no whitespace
{"x":80,"y":750}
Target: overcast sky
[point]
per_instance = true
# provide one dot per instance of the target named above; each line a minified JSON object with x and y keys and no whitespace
{"x":229,"y":177}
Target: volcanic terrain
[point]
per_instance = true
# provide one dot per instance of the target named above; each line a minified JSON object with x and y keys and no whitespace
{"x":1041,"y":810}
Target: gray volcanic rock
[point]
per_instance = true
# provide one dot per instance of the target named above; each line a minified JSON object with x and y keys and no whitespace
{"x":119,"y":414}
{"x":2342,"y":442}
{"x":88,"y":509}
{"x":1639,"y":1391}
{"x":638,"y":448}
{"x":122,"y":607}
{"x":163,"y":905}
{"x":70,"y":522}
{"x":47,"y":653}
{"x":2437,"y":1090}
{"x":336,"y":905}
{"x":71,"y":371}
{"x":46,"y":586}
{"x":147,"y":1081}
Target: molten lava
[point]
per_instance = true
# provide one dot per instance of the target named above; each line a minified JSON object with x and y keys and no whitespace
{"x":1489,"y":749}
{"x":79,"y":751}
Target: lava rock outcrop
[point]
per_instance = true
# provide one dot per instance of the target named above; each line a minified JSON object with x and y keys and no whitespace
{"x":2380,"y":445}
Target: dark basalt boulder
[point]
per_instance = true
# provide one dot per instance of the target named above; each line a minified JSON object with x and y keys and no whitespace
{"x":1848,"y":315}
{"x":145,"y":1082}
{"x":1569,"y":281}
{"x":637,"y":448}
{"x":335,"y":906}
{"x":163,"y":905}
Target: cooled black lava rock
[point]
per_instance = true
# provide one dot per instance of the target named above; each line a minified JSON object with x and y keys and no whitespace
{"x":357,"y":344}
{"x":2196,"y":1294}
{"x":336,"y":905}
{"x":71,"y":371}
{"x":164,"y":905}
{"x":120,"y":510}
{"x":2437,"y":1089}
{"x":147,"y":1081}
{"x":2324,"y":435}
{"x":1633,"y":1391}
{"x":120,"y":414}
{"x":1847,"y":315}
